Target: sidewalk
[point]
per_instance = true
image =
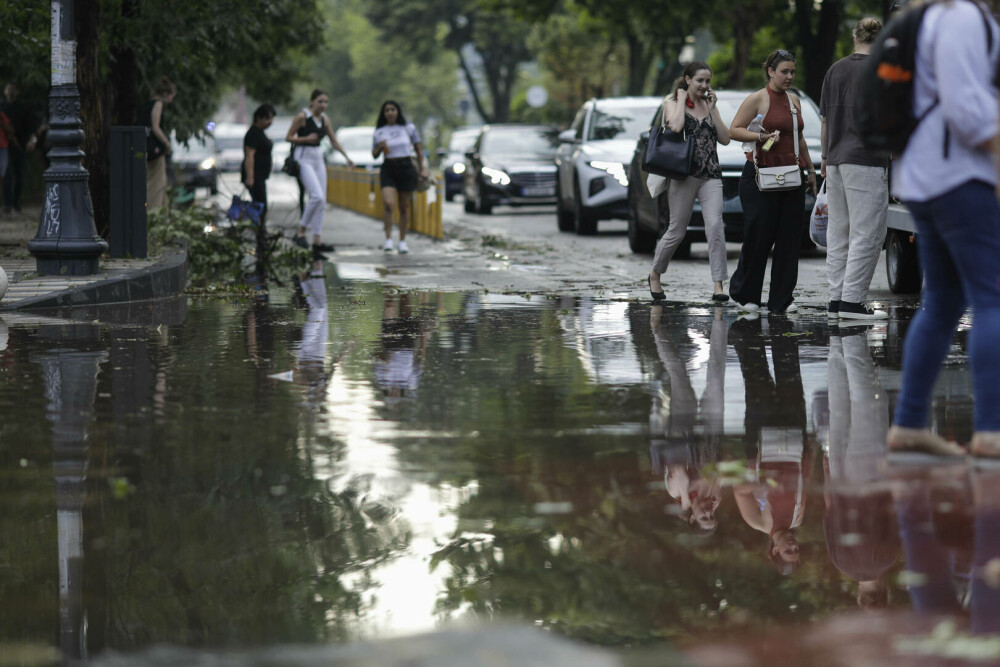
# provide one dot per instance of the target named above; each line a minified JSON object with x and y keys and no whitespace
{"x":118,"y":281}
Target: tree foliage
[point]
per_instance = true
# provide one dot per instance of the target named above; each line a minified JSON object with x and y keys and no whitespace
{"x":490,"y":43}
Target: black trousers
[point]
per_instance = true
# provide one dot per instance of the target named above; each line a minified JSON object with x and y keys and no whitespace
{"x":771,"y":221}
{"x":14,"y":179}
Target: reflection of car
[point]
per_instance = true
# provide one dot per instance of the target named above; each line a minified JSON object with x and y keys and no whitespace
{"x":357,"y":141}
{"x":648,"y":217}
{"x":510,"y":164}
{"x":229,"y":142}
{"x":593,"y":159}
{"x":453,"y":160}
{"x":195,"y":164}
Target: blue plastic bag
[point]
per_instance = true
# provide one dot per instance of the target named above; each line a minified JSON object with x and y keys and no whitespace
{"x":241,"y":209}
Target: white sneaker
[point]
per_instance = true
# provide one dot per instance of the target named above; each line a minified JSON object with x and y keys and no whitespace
{"x":388,"y":245}
{"x":860,"y":311}
{"x":792,"y":308}
{"x":403,"y":249}
{"x":749,"y":308}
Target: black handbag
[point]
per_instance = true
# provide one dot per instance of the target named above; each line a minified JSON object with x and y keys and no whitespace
{"x":291,"y":166}
{"x":669,"y":153}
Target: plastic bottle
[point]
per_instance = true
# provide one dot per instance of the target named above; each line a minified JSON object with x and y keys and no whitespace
{"x":756,"y":125}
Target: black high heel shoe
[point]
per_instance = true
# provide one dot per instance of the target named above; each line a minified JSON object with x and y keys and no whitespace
{"x":657,"y":296}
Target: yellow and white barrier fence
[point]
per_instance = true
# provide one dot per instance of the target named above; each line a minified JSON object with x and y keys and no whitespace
{"x":359,"y":190}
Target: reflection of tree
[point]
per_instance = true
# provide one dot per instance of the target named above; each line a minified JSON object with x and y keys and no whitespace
{"x":539,"y":435}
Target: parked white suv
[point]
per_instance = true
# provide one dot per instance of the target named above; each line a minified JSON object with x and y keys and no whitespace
{"x":593,"y":161}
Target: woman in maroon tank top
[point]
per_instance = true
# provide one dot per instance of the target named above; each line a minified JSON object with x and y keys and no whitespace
{"x":773,"y":220}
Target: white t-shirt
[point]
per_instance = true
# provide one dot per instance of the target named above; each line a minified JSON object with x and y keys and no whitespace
{"x":399,"y":139}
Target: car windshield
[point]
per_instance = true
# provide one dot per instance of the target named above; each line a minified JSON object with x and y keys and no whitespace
{"x":462,"y":141}
{"x":229,"y":142}
{"x":522,"y":141}
{"x":619,"y":122}
{"x":356,"y":141}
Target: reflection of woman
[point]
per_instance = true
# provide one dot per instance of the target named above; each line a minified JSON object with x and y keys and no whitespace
{"x":399,"y":142}
{"x":774,"y":438}
{"x":305,"y":134}
{"x":157,"y":143}
{"x":860,"y":523}
{"x":771,"y":220}
{"x":692,"y":109}
{"x":400,"y":357}
{"x":676,"y":451}
{"x":315,"y":332}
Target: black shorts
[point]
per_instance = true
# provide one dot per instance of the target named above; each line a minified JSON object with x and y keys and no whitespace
{"x":399,"y":173}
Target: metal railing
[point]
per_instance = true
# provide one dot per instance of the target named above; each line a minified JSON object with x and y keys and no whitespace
{"x":359,"y":190}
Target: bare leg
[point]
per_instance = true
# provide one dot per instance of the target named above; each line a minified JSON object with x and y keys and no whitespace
{"x":405,"y":210}
{"x":986,"y":443}
{"x":654,"y":282}
{"x":389,"y":201}
{"x":718,"y":287}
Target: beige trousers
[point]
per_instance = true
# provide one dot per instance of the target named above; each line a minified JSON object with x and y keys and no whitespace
{"x":156,"y":183}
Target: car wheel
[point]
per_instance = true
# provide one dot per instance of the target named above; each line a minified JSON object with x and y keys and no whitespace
{"x":585,"y":221}
{"x":483,"y":204}
{"x":901,"y":265}
{"x":564,"y":218}
{"x":683,"y":250}
{"x":449,"y":195}
{"x":639,"y":240}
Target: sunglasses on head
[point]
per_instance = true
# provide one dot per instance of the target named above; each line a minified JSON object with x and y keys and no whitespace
{"x":785,"y":55}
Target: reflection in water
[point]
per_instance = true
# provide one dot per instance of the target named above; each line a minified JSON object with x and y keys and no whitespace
{"x":449,"y":456}
{"x":686,"y":433}
{"x":775,"y":437}
{"x":860,"y":522}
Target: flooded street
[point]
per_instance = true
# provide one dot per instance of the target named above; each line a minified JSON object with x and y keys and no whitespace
{"x":350,"y":461}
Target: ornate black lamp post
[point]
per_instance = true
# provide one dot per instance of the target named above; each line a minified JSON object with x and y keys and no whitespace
{"x":67,"y":242}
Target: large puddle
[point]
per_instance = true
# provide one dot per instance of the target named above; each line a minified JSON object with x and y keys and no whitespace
{"x":350,"y":462}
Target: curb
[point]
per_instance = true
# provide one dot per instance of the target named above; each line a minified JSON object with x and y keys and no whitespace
{"x":166,"y":278}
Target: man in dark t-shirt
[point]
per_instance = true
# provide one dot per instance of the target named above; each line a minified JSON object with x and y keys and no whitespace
{"x":857,"y":186}
{"x":256,"y":167}
{"x":21,"y":124}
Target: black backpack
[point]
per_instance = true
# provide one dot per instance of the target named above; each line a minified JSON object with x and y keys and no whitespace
{"x":885,"y":87}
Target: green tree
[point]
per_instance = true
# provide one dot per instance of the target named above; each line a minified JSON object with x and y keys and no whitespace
{"x":491,"y":44}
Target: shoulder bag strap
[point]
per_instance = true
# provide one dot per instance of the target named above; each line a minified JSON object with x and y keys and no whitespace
{"x":795,"y":129}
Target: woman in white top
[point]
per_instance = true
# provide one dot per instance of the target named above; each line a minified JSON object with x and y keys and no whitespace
{"x":399,"y":142}
{"x":305,"y":134}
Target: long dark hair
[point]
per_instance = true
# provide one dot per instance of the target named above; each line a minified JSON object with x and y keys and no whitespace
{"x":774,"y":59}
{"x":400,"y":119}
{"x":689,"y":71}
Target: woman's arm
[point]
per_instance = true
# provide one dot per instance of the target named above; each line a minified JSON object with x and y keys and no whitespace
{"x":336,"y":145}
{"x":155,"y":118}
{"x":804,"y":148}
{"x":297,"y":123}
{"x":744,"y":116}
{"x":721,"y":131}
{"x":420,"y":156}
{"x":673,"y":111}
{"x":248,"y":158}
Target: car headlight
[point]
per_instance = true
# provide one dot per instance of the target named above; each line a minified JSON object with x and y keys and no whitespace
{"x":496,"y":176}
{"x":206,"y":164}
{"x":458,"y":167}
{"x":616,"y":169}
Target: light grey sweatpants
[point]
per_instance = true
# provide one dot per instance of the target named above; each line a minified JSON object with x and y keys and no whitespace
{"x":681,"y":196}
{"x":858,"y":202}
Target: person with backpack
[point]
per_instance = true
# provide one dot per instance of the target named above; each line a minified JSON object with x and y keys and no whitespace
{"x":857,"y":186}
{"x":947,"y":177}
{"x":772,"y":217}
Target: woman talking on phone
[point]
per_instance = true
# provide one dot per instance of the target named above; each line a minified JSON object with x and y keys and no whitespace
{"x":773,"y":218}
{"x":399,"y":142}
{"x":691,"y":108}
{"x":305,"y":134}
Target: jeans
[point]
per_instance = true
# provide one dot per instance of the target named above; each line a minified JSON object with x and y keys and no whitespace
{"x":858,"y":204}
{"x":959,"y":250}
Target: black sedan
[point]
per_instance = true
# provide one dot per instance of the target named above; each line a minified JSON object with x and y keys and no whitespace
{"x":648,"y":217}
{"x":512,"y":165}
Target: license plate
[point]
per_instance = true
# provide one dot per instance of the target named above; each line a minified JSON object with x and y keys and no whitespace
{"x":539,"y":192}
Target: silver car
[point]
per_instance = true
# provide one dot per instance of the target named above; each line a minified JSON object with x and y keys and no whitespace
{"x":593,"y":160}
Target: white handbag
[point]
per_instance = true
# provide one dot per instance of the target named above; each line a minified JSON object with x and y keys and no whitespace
{"x":770,"y":179}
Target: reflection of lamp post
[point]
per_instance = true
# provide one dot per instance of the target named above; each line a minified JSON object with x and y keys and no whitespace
{"x":70,"y":378}
{"x":67,"y":240}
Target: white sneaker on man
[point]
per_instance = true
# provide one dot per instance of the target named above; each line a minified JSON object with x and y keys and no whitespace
{"x":388,"y":245}
{"x":860,"y":311}
{"x":748,"y":307}
{"x":403,"y":249}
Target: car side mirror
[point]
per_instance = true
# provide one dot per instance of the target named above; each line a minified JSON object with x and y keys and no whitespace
{"x":567,"y":137}
{"x":471,"y":155}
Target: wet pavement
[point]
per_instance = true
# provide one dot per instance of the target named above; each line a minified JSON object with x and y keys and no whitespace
{"x":352,"y":462}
